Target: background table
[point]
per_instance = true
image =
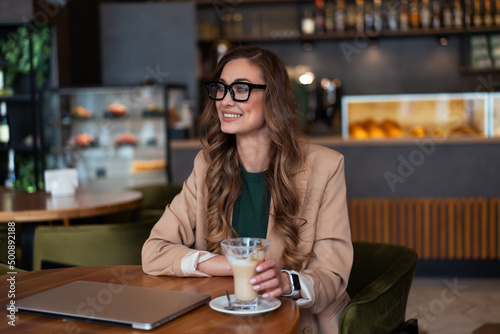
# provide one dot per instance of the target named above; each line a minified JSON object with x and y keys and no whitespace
{"x":39,"y":206}
{"x":28,"y":208}
{"x":283,"y":320}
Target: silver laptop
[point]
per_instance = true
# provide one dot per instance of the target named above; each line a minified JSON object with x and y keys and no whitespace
{"x":112,"y":304}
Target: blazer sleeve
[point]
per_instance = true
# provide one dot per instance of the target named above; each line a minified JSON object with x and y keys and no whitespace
{"x":174,"y":233}
{"x":332,"y":247}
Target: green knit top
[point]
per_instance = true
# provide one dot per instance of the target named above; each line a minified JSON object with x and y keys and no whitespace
{"x":251,"y":210}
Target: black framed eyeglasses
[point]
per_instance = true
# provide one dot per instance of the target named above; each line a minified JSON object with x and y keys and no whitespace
{"x":239,"y":91}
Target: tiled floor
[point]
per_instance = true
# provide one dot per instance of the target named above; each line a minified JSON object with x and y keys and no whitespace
{"x":454,"y":305}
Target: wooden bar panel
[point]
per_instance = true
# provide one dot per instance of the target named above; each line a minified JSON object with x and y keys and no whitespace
{"x":459,"y":229}
{"x":410,"y":236}
{"x":435,"y":225}
{"x":353,"y":217}
{"x":484,"y":229}
{"x":427,"y":230}
{"x":362,"y":220}
{"x":491,"y":233}
{"x":475,"y":229}
{"x":369,"y":221}
{"x":418,"y":228}
{"x":402,"y":222}
{"x":468,"y":232}
{"x":451,"y":229}
{"x":394,"y":226}
{"x":378,"y":222}
{"x":498,"y":227}
{"x":442,"y":229}
{"x":386,"y":220}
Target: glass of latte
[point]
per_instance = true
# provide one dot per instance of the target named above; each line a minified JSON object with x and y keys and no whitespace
{"x":243,"y":255}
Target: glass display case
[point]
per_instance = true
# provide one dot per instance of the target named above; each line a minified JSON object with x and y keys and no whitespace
{"x":114,"y":136}
{"x":416,"y":115}
{"x":495,"y":114}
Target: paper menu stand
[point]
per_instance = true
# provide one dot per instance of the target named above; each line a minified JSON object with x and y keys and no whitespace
{"x":61,"y":182}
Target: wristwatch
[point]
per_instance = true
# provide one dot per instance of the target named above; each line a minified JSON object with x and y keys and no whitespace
{"x":294,"y":283}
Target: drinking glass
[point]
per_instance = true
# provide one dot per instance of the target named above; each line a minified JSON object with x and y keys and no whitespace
{"x":243,"y":255}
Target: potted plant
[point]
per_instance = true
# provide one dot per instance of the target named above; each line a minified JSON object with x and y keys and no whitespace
{"x":15,"y":50}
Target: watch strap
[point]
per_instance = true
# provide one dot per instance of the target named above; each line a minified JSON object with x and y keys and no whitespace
{"x":294,"y":283}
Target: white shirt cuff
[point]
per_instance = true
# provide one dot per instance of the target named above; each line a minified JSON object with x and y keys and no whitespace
{"x":306,"y":291}
{"x":191,"y":260}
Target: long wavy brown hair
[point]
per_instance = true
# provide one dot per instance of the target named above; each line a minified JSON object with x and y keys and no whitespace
{"x":224,"y":180}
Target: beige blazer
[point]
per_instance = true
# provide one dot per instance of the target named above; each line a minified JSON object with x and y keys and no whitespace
{"x":326,"y":233}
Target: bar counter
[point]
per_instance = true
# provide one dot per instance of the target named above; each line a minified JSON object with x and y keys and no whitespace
{"x":398,"y":168}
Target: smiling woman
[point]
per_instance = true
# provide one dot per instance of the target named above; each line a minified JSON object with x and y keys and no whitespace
{"x":255,"y":178}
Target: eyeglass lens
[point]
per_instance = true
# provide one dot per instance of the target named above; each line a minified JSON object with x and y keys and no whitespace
{"x":240,"y":91}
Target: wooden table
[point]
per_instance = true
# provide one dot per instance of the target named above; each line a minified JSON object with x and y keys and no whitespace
{"x":285,"y":319}
{"x":26,"y":208}
{"x":23,"y":207}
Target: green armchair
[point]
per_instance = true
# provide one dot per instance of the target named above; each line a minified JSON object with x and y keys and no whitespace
{"x":154,"y":199}
{"x":90,"y":245}
{"x":4,"y":269}
{"x":379,"y":285}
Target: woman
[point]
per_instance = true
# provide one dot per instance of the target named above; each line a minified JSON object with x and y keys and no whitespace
{"x":254,"y":178}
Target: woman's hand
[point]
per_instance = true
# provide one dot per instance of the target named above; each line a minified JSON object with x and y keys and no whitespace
{"x":270,"y":279}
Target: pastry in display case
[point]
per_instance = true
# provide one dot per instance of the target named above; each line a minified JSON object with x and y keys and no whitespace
{"x":415,"y":116}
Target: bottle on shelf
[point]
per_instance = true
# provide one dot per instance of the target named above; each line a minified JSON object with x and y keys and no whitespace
{"x":308,"y":24}
{"x":329,"y":17}
{"x":360,"y":17}
{"x":447,"y":15}
{"x":467,"y":13}
{"x":237,"y":30}
{"x":351,"y":17}
{"x":227,"y":25}
{"x":392,"y":16}
{"x":458,"y":14}
{"x":414,"y":14}
{"x":477,"y":19}
{"x":378,"y":23}
{"x":497,"y":12}
{"x":319,"y":16}
{"x":403,"y":16}
{"x":369,"y":16}
{"x":340,"y":15}
{"x":436,"y":15}
{"x":4,"y":125}
{"x":488,"y":15}
{"x":11,"y":174}
{"x":425,"y":14}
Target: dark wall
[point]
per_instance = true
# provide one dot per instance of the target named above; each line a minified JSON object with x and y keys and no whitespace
{"x":397,"y":65}
{"x":149,"y":42}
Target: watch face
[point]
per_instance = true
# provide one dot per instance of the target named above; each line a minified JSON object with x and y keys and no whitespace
{"x":296,"y":282}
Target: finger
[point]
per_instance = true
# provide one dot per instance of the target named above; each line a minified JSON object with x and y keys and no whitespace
{"x":264,"y":276}
{"x":273,"y":293}
{"x":263,"y":266}
{"x":268,"y":285}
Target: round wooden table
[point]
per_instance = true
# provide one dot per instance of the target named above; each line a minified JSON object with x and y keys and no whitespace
{"x":283,"y":320}
{"x":31,"y":208}
{"x":23,"y":207}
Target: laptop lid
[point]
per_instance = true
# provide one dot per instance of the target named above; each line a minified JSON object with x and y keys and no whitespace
{"x":112,"y":304}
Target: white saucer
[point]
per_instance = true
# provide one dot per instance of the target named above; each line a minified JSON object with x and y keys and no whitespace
{"x":265,"y":305}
